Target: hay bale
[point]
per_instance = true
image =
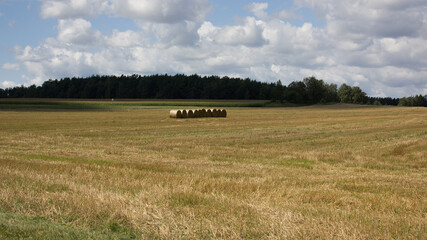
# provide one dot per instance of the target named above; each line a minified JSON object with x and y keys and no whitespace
{"x":215,"y":112}
{"x":198,"y":113}
{"x":202,"y":112}
{"x":175,"y":114}
{"x":208,"y":112}
{"x":190,"y":113}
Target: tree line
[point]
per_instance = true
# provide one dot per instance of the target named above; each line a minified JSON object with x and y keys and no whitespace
{"x":308,"y":91}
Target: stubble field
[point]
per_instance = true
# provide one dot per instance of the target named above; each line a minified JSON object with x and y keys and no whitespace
{"x":328,"y":172}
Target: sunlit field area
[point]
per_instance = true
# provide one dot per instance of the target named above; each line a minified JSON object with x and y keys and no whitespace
{"x":131,"y":172}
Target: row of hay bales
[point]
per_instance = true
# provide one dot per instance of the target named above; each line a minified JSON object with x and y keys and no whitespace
{"x":198,"y":113}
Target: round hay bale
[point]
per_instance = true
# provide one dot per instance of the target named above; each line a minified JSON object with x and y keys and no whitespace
{"x":202,"y":112}
{"x":190,"y":113}
{"x":208,"y":113}
{"x":223,"y":113}
{"x":215,"y":112}
{"x":198,"y":113}
{"x":184,"y":113}
{"x":175,"y":114}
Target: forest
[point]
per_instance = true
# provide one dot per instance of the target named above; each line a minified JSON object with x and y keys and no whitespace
{"x":308,"y":91}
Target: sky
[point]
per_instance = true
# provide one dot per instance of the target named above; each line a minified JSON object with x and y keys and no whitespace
{"x":378,"y":45}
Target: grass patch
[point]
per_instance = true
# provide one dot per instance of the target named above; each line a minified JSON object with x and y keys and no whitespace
{"x":49,"y":158}
{"x":13,"y":226}
{"x":56,"y":104}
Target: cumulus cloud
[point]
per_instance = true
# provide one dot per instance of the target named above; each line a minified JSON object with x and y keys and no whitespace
{"x":363,"y":43}
{"x":55,"y":59}
{"x":7,"y":84}
{"x":124,"y":39}
{"x":249,"y":33}
{"x":285,"y":14}
{"x":357,"y":19}
{"x":78,"y":32}
{"x":10,"y":66}
{"x":72,"y":8}
{"x":207,"y":31}
{"x":169,"y":34}
{"x":162,"y":11}
{"x":258,"y":9}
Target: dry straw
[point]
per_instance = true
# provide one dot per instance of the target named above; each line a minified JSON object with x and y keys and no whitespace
{"x":175,"y":114}
{"x":215,"y":113}
{"x":190,"y":113}
{"x":198,"y":113}
{"x":208,"y":113}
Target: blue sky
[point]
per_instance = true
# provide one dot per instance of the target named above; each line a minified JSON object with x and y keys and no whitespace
{"x":380,"y":46}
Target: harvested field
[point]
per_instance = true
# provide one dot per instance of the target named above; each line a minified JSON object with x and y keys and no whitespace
{"x":329,"y":172}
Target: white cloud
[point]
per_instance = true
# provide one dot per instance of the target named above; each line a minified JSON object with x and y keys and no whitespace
{"x":379,"y":45}
{"x":72,"y":8}
{"x":284,"y":14}
{"x":249,"y":33}
{"x":124,"y":39}
{"x":207,"y":31}
{"x":170,"y":34}
{"x":53,"y":59}
{"x":258,"y":9}
{"x":77,"y":31}
{"x":275,"y":68}
{"x":7,"y":84}
{"x":162,"y":11}
{"x":11,"y":66}
{"x":357,"y":19}
{"x":398,"y":52}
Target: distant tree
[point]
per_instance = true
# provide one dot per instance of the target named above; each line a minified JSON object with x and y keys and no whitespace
{"x":265,"y":91}
{"x":315,"y":90}
{"x":404,"y":102}
{"x":417,"y":101}
{"x":358,"y":96}
{"x":2,"y":93}
{"x":345,"y":94}
{"x":384,"y":100}
{"x":376,"y":103}
{"x":420,"y":101}
{"x":308,"y":91}
{"x":330,"y":93}
{"x":295,"y":93}
{"x":89,"y":90}
{"x":278,"y":92}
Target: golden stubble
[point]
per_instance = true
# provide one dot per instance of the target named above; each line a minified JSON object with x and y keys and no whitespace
{"x":313,"y":172}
